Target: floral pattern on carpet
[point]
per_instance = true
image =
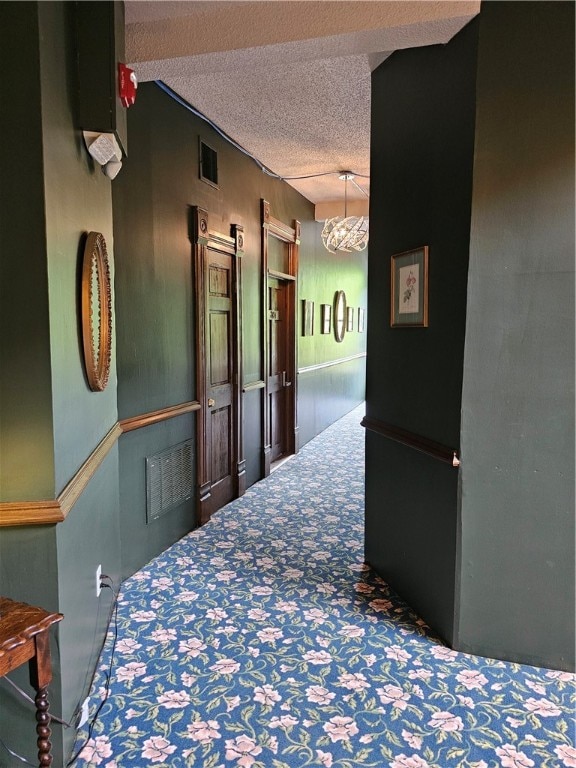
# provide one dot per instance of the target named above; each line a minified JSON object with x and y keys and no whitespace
{"x":262,"y":640}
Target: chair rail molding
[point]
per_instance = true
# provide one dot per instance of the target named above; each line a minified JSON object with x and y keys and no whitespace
{"x":51,"y":511}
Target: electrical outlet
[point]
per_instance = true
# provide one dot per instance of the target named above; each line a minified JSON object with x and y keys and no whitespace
{"x":98,"y":580}
{"x":84,"y":712}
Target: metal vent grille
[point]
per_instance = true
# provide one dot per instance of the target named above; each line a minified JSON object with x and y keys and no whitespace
{"x":208,"y":164}
{"x":168,"y":479}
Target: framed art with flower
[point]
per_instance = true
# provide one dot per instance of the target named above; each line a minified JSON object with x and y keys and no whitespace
{"x":409,"y":289}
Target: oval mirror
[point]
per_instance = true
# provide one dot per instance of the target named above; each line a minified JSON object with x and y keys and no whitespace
{"x":339,"y":315}
{"x":96,"y":311}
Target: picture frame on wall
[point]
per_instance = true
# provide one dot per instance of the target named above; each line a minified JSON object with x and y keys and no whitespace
{"x":326,"y":326}
{"x":307,"y":317}
{"x":349,"y":318}
{"x":339,"y":315}
{"x":409,"y":289}
{"x":360,"y":320}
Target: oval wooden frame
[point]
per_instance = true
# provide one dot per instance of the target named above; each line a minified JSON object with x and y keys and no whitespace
{"x":339,"y":332}
{"x":97,"y":342}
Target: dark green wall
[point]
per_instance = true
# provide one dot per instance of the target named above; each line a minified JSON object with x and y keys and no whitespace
{"x":517,"y":520}
{"x":421,"y":184}
{"x":155,"y":299}
{"x":486,"y":555}
{"x":51,"y":421}
{"x":25,"y":409}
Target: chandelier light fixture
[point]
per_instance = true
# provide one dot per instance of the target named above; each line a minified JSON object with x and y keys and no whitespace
{"x":348,"y":233}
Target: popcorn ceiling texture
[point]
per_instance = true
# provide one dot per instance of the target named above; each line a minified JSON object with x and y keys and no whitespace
{"x":289,"y":81}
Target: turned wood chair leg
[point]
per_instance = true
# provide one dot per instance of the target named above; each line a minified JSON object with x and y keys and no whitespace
{"x":43,"y":728}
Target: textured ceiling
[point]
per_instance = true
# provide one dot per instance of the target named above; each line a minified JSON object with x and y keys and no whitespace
{"x":289,"y":81}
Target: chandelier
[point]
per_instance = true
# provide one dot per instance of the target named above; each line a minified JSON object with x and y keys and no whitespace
{"x":348,"y":233}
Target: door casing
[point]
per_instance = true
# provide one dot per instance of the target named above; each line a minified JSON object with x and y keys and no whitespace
{"x":213,"y":492}
{"x":290,"y":235}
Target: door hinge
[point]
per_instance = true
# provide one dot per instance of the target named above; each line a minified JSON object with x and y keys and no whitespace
{"x":273,"y":314}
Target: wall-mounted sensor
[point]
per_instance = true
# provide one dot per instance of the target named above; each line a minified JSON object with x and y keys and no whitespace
{"x":112,"y":169}
{"x":105,"y":150}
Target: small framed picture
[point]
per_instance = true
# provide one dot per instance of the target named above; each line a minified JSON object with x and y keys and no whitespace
{"x":409,"y":289}
{"x":307,"y":317}
{"x":326,"y":318}
{"x":360,"y":320}
{"x":349,"y":318}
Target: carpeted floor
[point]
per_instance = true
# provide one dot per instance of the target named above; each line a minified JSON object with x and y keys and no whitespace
{"x":262,"y":640}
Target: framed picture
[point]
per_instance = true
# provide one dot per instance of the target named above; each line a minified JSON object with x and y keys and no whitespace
{"x":326,"y":318}
{"x":349,"y":318}
{"x":360,"y":320}
{"x":307,"y":317}
{"x":339,"y":315}
{"x":409,"y":289}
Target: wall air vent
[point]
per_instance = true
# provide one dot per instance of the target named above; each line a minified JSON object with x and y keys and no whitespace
{"x":208,"y":164}
{"x":169,"y":479}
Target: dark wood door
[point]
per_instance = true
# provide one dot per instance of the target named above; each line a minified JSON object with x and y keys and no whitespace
{"x":219,"y":334}
{"x":278,"y":368}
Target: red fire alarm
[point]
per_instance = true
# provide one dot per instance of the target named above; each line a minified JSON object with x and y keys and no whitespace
{"x":127,"y":84}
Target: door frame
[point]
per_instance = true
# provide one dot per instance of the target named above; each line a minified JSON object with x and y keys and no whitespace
{"x":204,"y":239}
{"x":272,"y":227}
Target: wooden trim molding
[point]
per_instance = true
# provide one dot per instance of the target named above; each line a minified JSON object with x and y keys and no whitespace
{"x":48,"y":512}
{"x":30,"y":513}
{"x":206,"y":242}
{"x":330,"y":363}
{"x":253,"y":385}
{"x":72,"y":492}
{"x":146,"y":419}
{"x":272,"y":227}
{"x":411,"y":440}
{"x":280,"y":230}
{"x":281,"y":275}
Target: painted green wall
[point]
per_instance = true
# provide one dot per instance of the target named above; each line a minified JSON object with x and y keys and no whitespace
{"x":56,"y":421}
{"x":421,"y":182}
{"x":500,"y":532}
{"x":517,"y":518}
{"x":49,"y":419}
{"x":25,"y":409}
{"x":327,"y":393}
{"x":155,"y":299}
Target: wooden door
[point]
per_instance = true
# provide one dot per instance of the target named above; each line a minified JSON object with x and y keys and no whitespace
{"x":220,"y":471}
{"x":219,"y":370}
{"x":280,"y":244}
{"x":278,"y":366}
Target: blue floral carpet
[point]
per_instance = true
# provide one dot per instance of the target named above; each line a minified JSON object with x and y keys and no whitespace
{"x":263,"y":641}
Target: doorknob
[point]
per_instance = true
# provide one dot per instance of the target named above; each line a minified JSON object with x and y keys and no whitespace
{"x":211,"y":403}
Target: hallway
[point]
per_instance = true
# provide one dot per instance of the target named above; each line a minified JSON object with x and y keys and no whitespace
{"x":262,"y":639}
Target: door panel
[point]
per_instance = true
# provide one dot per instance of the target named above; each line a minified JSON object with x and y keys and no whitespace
{"x":221,"y":433}
{"x":219,"y":344}
{"x":277,"y":367}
